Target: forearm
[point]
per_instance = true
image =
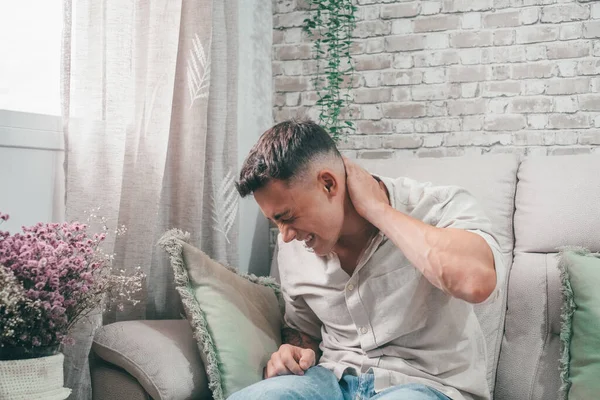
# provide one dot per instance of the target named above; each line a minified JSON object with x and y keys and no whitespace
{"x":456,"y":261}
{"x":299,"y":339}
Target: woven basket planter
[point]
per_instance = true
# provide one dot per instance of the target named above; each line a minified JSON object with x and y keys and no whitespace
{"x":36,"y":378}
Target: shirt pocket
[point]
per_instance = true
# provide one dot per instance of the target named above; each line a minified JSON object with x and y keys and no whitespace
{"x":398,"y":302}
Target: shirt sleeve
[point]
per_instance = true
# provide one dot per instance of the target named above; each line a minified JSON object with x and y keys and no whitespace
{"x":300,"y":317}
{"x":455,"y":207}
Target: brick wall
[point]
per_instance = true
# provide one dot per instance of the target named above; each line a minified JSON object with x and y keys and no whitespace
{"x":456,"y":77}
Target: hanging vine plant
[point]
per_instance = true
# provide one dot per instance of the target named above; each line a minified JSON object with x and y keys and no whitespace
{"x":330,"y":25}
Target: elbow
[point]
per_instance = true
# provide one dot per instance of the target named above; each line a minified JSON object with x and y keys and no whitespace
{"x":481,"y":288}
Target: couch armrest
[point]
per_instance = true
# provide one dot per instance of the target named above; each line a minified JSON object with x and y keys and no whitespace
{"x":162,"y":355}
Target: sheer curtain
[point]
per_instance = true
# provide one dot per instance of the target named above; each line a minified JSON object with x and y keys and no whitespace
{"x":150,"y":106}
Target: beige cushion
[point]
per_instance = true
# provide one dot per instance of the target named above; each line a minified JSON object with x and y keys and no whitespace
{"x":558,"y":203}
{"x":492,"y":180}
{"x":110,"y":382}
{"x":161,"y":355}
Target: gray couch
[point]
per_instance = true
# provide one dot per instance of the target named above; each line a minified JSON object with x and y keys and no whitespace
{"x":536,"y":205}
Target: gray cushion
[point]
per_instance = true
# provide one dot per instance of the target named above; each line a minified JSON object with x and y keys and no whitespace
{"x":558,"y":204}
{"x":161,"y":355}
{"x":110,"y":382}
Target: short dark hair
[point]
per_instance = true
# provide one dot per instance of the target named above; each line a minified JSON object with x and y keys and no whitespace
{"x":282,"y":152}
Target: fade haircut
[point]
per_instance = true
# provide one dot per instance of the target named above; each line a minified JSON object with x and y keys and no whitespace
{"x":283,"y":152}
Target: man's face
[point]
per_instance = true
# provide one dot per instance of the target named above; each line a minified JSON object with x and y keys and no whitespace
{"x":311,"y":210}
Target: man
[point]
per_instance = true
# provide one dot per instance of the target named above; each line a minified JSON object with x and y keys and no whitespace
{"x":378,"y":276}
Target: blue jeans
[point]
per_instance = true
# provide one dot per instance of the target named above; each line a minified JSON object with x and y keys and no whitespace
{"x":319,"y":383}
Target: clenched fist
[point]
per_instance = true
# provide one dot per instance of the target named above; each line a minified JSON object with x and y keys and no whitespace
{"x":289,"y":360}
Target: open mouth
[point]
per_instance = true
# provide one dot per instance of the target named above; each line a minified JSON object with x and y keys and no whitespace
{"x":309,"y":241}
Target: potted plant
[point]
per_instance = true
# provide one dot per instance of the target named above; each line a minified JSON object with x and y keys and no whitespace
{"x":51,"y":276}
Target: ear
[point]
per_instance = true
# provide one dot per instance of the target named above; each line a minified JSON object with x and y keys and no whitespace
{"x":329,"y":182}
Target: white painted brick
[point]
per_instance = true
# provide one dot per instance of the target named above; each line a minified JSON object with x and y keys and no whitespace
{"x":536,"y":34}
{"x":278,"y":36}
{"x":497,"y":89}
{"x":503,"y":54}
{"x":504,"y":122}
{"x":374,"y":127}
{"x":309,"y":98}
{"x":434,"y":75}
{"x":404,"y":43}
{"x":571,"y":31}
{"x":498,"y":105}
{"x":589,"y":102}
{"x":293,"y":52}
{"x":466,"y":107}
{"x":291,"y":83}
{"x":284,"y":6}
{"x":591,"y":29}
{"x":567,"y":50}
{"x":472,"y":122}
{"x":589,"y":67}
{"x":535,"y":53}
{"x":504,"y":37}
{"x":399,"y":10}
{"x":433,"y":140}
{"x":500,"y":4}
{"x":374,"y":45}
{"x":437,"y":41}
{"x":471,"y":21}
{"x":529,"y":16}
{"x":372,"y":28}
{"x":371,"y":78}
{"x":279,"y":99}
{"x":402,"y":142}
{"x":371,"y":111}
{"x":533,"y":87}
{"x":470,"y":56}
{"x":292,"y":99}
{"x":531,"y":104}
{"x":565,"y":138}
{"x":293,"y":68}
{"x":436,"y":23}
{"x":567,"y":68}
{"x":469,"y":90}
{"x":597,"y":121}
{"x":595,"y":12}
{"x":367,"y":13}
{"x":425,"y":125}
{"x":568,"y":86}
{"x":372,"y":95}
{"x":401,"y":93}
{"x":476,"y":139}
{"x":471,"y":39}
{"x":435,"y":92}
{"x":562,"y":121}
{"x":277,"y":68}
{"x":404,"y":126}
{"x":451,"y":6}
{"x":293,"y":35}
{"x":372,"y":62}
{"x":467,"y":74}
{"x":501,"y":19}
{"x":590,"y":138}
{"x":595,"y":85}
{"x":537,"y":121}
{"x":533,"y":70}
{"x":434,"y":59}
{"x":531,"y":138}
{"x":566,"y":104}
{"x":403,"y":110}
{"x":401,"y":77}
{"x":500,"y":72}
{"x":402,"y":26}
{"x":293,"y":19}
{"x":402,"y":60}
{"x":525,"y":3}
{"x":437,"y":109}
{"x":430,"y":7}
{"x":565,"y":13}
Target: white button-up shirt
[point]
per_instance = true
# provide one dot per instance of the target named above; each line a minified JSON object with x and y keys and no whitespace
{"x":387,"y":317}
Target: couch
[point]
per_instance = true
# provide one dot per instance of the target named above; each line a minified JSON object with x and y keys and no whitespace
{"x":536,"y":204}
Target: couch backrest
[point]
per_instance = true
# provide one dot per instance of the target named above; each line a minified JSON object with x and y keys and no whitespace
{"x":557,"y":204}
{"x":492,"y":180}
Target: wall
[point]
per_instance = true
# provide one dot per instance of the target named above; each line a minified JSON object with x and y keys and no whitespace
{"x":457,"y":77}
{"x":31,"y":174}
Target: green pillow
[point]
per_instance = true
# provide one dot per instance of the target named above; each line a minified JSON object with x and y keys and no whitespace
{"x":580,"y":330}
{"x":236,"y":318}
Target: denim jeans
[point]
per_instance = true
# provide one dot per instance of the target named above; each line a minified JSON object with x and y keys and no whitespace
{"x":319,"y":383}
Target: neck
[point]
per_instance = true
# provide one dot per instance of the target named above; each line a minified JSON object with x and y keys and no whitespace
{"x":356,"y":231}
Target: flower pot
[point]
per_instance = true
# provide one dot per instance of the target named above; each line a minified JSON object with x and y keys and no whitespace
{"x":34,"y":378}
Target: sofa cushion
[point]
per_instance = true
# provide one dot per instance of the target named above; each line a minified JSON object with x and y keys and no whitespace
{"x":580,"y":331}
{"x":492,"y":180}
{"x":236,"y":318}
{"x":161,"y":355}
{"x":557,"y":203}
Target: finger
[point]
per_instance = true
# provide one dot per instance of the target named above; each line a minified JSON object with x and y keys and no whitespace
{"x":307,"y":359}
{"x":291,"y":364}
{"x":269,"y":370}
{"x":279,"y":367}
